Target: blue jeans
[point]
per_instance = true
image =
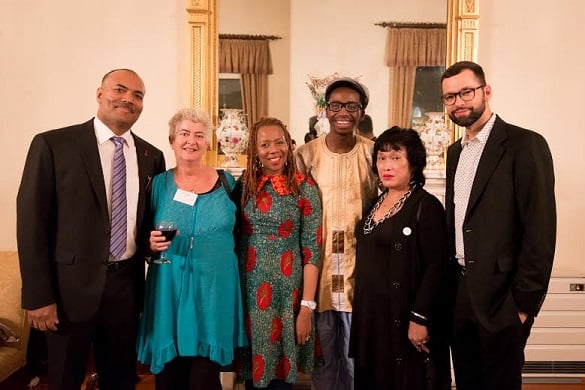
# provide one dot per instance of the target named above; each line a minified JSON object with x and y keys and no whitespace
{"x":333,"y":329}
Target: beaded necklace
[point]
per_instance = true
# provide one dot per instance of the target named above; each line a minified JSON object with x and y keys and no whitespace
{"x":370,"y":224}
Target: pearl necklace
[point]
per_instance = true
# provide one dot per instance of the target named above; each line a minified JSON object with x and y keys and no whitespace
{"x":370,"y":224}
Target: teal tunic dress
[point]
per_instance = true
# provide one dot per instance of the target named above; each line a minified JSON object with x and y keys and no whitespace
{"x":193,"y":306}
{"x":279,"y":234}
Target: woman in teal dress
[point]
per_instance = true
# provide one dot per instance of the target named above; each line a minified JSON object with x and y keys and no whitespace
{"x":193,"y":317}
{"x":279,"y":253}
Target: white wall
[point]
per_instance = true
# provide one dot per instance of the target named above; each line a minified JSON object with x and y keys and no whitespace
{"x":533,"y":56}
{"x":264,"y":17}
{"x":325,"y":36}
{"x":53,"y":56}
{"x":330,"y":36}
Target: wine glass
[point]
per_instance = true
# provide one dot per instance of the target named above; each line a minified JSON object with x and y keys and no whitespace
{"x":168,"y":230}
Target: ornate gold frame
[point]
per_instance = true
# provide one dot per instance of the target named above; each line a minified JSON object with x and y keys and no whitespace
{"x":462,"y":39}
{"x":203,"y":54}
{"x":462,"y":35}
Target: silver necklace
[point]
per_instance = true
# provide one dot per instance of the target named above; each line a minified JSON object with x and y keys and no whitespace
{"x":370,"y":224}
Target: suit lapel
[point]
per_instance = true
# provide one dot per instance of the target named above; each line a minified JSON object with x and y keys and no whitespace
{"x":453,"y":158}
{"x":90,"y":155}
{"x":494,"y":149}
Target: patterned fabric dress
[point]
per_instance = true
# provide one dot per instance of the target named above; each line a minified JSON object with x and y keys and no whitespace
{"x":279,"y":234}
{"x":193,"y":306}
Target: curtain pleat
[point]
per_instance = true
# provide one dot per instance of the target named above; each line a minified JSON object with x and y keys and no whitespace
{"x":401,"y":94}
{"x":255,"y":91}
{"x":416,"y":47}
{"x":244,"y":56}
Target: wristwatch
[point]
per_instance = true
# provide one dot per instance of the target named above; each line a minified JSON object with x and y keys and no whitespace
{"x":310,"y":304}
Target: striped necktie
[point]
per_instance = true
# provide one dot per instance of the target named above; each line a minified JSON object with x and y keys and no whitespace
{"x":118,"y":229}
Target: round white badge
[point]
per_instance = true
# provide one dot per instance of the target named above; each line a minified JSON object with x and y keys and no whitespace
{"x":407,"y":231}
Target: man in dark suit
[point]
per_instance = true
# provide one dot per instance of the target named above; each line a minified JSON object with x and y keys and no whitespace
{"x":74,"y":286}
{"x":501,"y":216}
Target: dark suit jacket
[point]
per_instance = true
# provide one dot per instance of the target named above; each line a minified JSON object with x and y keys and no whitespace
{"x":509,"y":229}
{"x":63,"y":226}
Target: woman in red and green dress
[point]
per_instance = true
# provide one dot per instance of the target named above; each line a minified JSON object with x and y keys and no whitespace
{"x":279,"y":251}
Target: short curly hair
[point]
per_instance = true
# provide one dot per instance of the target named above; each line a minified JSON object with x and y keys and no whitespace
{"x":195,"y":115}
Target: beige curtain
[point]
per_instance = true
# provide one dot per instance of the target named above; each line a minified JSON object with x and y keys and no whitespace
{"x":406,"y":49}
{"x":251,"y":59}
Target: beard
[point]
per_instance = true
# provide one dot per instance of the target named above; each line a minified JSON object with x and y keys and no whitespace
{"x":470,"y":119}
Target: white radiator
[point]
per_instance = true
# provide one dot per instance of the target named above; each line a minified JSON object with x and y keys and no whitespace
{"x":556,"y":347}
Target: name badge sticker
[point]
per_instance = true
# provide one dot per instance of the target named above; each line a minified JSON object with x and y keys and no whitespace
{"x":185,"y":197}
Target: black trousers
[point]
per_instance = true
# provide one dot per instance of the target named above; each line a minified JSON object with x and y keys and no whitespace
{"x":111,"y":332}
{"x":189,"y":373}
{"x":484,"y":360}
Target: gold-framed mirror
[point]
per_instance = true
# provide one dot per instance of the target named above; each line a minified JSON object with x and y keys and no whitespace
{"x":202,"y":19}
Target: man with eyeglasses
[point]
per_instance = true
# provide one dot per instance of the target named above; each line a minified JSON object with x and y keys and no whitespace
{"x":500,"y":205}
{"x":340,"y":163}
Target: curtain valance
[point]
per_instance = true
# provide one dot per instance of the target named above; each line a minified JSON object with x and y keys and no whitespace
{"x":244,"y":56}
{"x":416,"y":47}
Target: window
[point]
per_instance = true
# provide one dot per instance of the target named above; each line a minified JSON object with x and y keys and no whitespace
{"x":427,"y":93}
{"x":230,"y":91}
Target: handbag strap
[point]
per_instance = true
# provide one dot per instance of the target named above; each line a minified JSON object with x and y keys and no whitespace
{"x":224,"y":182}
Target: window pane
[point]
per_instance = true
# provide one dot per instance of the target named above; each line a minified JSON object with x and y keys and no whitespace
{"x":427,"y":92}
{"x":230,"y":92}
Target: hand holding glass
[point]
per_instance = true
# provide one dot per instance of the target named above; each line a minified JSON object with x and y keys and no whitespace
{"x":168,"y":230}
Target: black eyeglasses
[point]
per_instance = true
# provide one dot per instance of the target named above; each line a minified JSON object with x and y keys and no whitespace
{"x":349,"y":106}
{"x":465,"y":94}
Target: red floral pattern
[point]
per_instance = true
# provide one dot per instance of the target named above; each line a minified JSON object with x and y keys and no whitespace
{"x":275,"y":330}
{"x":250,"y":259}
{"x":305,"y":205}
{"x":279,"y":183}
{"x":286,"y":263}
{"x":307,"y":255}
{"x":283,"y":368}
{"x":284,"y":236}
{"x":285,"y":229}
{"x":264,"y":296}
{"x":258,"y":367}
{"x":264,"y":201}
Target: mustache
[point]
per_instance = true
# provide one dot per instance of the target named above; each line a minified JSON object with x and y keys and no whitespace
{"x":126,"y":105}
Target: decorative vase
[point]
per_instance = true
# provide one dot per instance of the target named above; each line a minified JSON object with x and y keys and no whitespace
{"x":322,"y":125}
{"x":436,"y":138}
{"x":232,"y":135}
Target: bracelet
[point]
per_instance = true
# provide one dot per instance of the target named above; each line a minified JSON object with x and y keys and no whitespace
{"x":418,"y":315}
{"x":310,"y":304}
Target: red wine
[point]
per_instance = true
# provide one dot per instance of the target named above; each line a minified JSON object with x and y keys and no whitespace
{"x":169,"y":234}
